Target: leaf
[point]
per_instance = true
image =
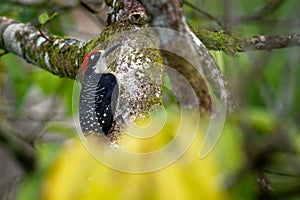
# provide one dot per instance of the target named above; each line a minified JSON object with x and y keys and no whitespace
{"x":44,"y":18}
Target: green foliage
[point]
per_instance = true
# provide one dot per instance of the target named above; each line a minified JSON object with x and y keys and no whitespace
{"x":32,"y":183}
{"x":61,"y":128}
{"x":20,"y":81}
{"x":53,"y":85}
{"x":44,"y":18}
{"x":266,"y":85}
{"x":46,"y":154}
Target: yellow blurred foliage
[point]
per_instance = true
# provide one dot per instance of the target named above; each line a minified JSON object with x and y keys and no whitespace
{"x":77,"y":175}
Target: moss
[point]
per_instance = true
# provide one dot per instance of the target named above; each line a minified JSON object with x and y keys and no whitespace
{"x":219,"y":41}
{"x":108,"y":31}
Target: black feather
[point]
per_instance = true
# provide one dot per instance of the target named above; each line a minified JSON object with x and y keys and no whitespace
{"x":98,"y":100}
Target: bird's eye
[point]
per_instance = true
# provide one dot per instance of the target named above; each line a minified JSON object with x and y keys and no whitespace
{"x":93,"y":59}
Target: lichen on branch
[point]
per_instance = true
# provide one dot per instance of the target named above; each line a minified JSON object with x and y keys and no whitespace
{"x":231,"y":44}
{"x":60,"y":56}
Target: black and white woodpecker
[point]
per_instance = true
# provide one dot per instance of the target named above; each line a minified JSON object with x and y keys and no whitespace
{"x":116,"y":94}
{"x":99,"y":94}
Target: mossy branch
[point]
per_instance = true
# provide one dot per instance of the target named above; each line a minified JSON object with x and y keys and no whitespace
{"x":58,"y":55}
{"x":232,"y":44}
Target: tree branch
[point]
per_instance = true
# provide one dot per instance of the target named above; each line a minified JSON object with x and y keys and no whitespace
{"x":60,"y":56}
{"x":205,"y":13}
{"x":165,"y":14}
{"x":169,"y":14}
{"x":269,"y":42}
{"x":267,"y":9}
{"x":231,"y":44}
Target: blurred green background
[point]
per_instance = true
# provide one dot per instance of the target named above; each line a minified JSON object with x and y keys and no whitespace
{"x":257,"y":156}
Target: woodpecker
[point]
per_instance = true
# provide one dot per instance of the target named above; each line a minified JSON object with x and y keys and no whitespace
{"x":99,"y":94}
{"x":114,"y":95}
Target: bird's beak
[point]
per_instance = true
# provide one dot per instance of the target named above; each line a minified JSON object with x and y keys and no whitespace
{"x":110,"y":49}
{"x":101,"y":65}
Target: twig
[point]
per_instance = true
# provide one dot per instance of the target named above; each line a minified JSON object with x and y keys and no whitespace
{"x":44,"y":36}
{"x":288,"y":23}
{"x":205,"y":13}
{"x":262,"y":12}
{"x":269,"y":42}
{"x":281,"y":174}
{"x":267,"y":9}
{"x":94,"y":6}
